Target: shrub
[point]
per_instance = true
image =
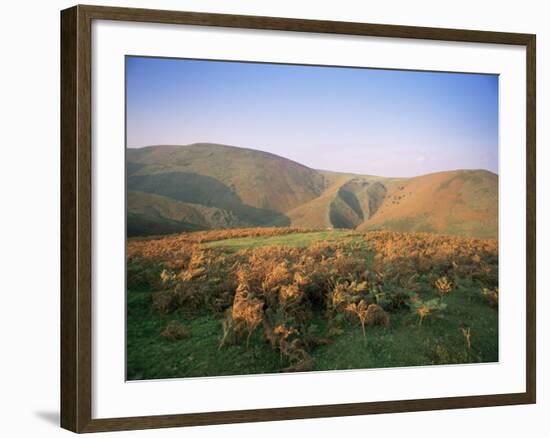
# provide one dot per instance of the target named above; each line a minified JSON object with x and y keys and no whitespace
{"x":425,"y":308}
{"x":466,"y":332}
{"x":376,"y":315}
{"x":247,"y":309}
{"x":443,"y":286}
{"x":175,"y":331}
{"x":491,"y":295}
{"x":165,"y":302}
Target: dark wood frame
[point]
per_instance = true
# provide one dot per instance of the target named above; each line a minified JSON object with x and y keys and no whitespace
{"x":76,"y":174}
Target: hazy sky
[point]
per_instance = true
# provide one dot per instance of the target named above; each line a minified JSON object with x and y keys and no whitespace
{"x":378,"y":122}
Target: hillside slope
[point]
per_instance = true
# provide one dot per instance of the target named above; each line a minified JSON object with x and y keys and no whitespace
{"x":348,"y":201}
{"x":208,"y":186}
{"x":463,"y":202}
{"x":225,"y":174}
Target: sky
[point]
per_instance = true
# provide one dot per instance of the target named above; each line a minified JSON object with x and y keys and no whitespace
{"x":360,"y":120}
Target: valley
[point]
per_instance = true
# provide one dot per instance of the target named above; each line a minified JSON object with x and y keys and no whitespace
{"x":204,"y":186}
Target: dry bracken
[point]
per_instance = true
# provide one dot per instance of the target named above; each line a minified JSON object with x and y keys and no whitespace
{"x":367,"y":277}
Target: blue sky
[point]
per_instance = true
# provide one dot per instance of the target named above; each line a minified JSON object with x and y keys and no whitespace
{"x":369,"y":121}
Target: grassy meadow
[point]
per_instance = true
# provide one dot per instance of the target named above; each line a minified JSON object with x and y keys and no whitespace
{"x":269,"y":300}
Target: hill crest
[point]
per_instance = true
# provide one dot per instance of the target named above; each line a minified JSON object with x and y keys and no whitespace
{"x":256,"y":188}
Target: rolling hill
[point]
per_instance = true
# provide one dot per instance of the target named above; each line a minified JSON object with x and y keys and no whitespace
{"x":209,"y":186}
{"x":463,"y":202}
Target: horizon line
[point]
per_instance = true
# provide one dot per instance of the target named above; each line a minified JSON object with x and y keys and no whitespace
{"x":309,"y":167}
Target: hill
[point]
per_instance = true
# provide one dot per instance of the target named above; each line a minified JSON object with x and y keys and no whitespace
{"x":463,"y":202}
{"x":226,"y":174}
{"x":210,"y":186}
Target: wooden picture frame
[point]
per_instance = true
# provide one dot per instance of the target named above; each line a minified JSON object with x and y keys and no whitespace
{"x":76,"y":217}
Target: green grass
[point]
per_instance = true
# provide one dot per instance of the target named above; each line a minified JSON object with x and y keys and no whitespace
{"x":292,"y":240}
{"x":150,"y":356}
{"x":438,"y":340}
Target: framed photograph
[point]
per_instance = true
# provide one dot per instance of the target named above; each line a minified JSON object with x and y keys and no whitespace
{"x":270,"y":218}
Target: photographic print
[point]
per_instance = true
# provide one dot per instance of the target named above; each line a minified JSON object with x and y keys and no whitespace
{"x":293,"y":218}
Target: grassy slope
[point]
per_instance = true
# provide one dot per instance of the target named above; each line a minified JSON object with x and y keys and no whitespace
{"x":292,"y":240}
{"x":258,"y":179}
{"x":458,"y":202}
{"x":259,"y":188}
{"x":404,"y":343}
{"x":462,"y":202}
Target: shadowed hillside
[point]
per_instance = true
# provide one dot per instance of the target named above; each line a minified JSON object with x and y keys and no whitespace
{"x":152,"y":214}
{"x":256,"y":178}
{"x":208,"y":186}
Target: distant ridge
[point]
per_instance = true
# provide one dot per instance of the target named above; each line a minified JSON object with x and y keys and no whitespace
{"x":203,"y":185}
